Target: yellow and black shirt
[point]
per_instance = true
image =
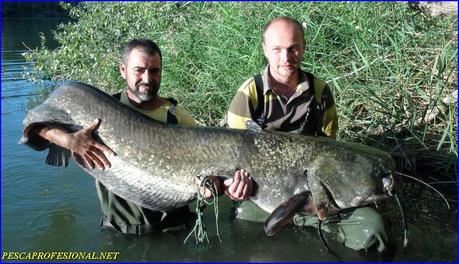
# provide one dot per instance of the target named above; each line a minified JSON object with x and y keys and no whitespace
{"x":310,"y":111}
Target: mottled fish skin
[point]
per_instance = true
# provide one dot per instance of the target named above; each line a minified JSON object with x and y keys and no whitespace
{"x":156,"y":163}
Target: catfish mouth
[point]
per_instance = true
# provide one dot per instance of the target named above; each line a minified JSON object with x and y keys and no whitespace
{"x":384,"y":189}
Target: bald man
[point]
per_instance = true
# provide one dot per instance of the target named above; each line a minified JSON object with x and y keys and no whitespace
{"x":286,"y":98}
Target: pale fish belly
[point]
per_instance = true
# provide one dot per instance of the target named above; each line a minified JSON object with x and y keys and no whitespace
{"x":138,"y":186}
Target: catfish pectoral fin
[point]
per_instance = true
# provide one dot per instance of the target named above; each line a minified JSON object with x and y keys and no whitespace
{"x":57,"y":156}
{"x":254,"y":127}
{"x":284,"y":213}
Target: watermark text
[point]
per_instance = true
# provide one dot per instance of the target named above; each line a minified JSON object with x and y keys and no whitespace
{"x":60,"y":255}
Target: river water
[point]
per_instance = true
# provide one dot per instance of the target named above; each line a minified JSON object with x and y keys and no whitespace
{"x":47,"y":208}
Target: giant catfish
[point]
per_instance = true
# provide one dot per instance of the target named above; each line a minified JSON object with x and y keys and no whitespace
{"x":157,"y":163}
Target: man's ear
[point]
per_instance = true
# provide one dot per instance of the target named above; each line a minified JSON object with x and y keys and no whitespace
{"x":123,"y":70}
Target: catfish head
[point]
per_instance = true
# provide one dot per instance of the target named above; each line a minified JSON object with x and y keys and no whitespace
{"x":349,"y":177}
{"x":344,"y":178}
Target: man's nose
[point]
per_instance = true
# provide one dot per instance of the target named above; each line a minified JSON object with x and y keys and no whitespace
{"x":284,"y":55}
{"x":147,"y":77}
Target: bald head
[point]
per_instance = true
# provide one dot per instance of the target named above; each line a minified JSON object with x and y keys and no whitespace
{"x":283,"y":46}
{"x":283,"y":23}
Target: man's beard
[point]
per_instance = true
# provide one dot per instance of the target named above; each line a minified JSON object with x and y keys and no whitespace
{"x":149,"y":94}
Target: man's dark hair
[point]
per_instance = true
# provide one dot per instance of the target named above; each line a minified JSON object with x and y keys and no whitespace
{"x":148,"y":46}
{"x":284,"y":18}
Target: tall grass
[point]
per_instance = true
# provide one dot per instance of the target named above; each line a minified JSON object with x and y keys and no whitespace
{"x":393,"y":70}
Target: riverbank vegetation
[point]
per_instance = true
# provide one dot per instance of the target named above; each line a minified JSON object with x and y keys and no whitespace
{"x":393,"y":70}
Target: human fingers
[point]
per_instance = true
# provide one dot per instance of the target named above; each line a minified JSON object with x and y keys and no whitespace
{"x":106,"y":149}
{"x":93,"y":127}
{"x":94,"y":124}
{"x":247,"y":189}
{"x":227,"y":183}
{"x":101,"y":157}
{"x":87,"y":161}
{"x":235,"y":183}
{"x":236,"y":187}
{"x":242,"y":184}
{"x":96,"y":160}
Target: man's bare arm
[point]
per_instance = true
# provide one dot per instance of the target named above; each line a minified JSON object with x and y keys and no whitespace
{"x":87,"y":151}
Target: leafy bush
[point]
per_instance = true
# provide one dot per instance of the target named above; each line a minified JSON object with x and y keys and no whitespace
{"x":393,"y":70}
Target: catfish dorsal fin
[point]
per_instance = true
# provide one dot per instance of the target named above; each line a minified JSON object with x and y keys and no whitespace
{"x":284,"y":213}
{"x":253,"y":126}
